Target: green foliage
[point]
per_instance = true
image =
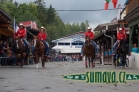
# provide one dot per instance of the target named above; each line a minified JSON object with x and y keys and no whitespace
{"x":47,"y":17}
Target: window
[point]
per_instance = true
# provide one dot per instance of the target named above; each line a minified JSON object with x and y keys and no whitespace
{"x":60,"y":43}
{"x":74,"y":43}
{"x":81,"y":43}
{"x":67,"y":43}
{"x":63,"y":43}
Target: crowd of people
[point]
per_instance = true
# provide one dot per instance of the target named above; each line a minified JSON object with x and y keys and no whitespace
{"x":6,"y":55}
{"x":65,"y":57}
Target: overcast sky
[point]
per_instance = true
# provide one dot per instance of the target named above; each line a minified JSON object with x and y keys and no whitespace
{"x":94,"y":17}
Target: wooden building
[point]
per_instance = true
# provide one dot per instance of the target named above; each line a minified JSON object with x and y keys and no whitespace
{"x":106,"y":39}
{"x":132,"y":17}
{"x":6,"y":29}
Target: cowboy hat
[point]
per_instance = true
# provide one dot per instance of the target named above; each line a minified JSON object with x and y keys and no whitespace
{"x":42,"y":27}
{"x":88,"y":28}
{"x":20,"y":24}
{"x":120,"y":28}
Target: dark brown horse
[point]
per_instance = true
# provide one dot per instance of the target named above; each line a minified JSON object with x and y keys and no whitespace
{"x":89,"y":52}
{"x":39,"y":51}
{"x":19,"y":51}
{"x":122,"y":51}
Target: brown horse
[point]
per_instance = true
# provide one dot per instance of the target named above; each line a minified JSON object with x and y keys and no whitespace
{"x":39,"y":51}
{"x":89,"y":52}
{"x":19,"y":51}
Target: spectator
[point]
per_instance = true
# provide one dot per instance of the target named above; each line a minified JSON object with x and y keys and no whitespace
{"x":32,"y":47}
{"x":10,"y":58}
{"x":135,"y":49}
{"x":1,"y":51}
{"x":77,"y":57}
{"x":109,"y":52}
{"x":5,"y":48}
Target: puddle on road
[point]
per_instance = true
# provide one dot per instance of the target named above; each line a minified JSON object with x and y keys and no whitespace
{"x":2,"y":78}
{"x":20,"y":89}
{"x":46,"y":88}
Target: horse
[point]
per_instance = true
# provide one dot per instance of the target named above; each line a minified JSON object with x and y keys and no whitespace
{"x":89,"y":52}
{"x":19,"y":51}
{"x":122,"y":51}
{"x":39,"y":51}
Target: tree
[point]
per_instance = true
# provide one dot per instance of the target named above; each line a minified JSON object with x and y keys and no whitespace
{"x":47,"y":17}
{"x":83,"y":26}
{"x":50,"y":15}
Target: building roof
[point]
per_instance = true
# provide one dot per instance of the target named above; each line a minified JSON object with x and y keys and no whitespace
{"x":2,"y":11}
{"x":81,"y":32}
{"x":30,"y":24}
{"x":63,"y":37}
{"x":111,"y":25}
{"x":132,"y":14}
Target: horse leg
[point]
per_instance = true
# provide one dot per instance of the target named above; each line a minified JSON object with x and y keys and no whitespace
{"x":28,"y":59}
{"x":86,"y":62}
{"x":43,"y":63}
{"x":123,"y":60}
{"x":37,"y":60}
{"x":21,"y":63}
{"x":89,"y":61}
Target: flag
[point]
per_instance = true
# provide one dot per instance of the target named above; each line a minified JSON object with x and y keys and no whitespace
{"x":114,"y":3}
{"x":106,"y":4}
{"x":15,"y":26}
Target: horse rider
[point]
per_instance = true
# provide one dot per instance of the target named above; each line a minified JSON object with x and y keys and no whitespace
{"x":120,"y":36}
{"x":91,"y":35}
{"x":43,"y":36}
{"x":22,"y":33}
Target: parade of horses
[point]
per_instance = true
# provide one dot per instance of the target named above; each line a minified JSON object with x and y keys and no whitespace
{"x":40,"y":52}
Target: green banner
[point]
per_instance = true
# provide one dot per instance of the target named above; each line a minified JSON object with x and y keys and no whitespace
{"x":103,"y":77}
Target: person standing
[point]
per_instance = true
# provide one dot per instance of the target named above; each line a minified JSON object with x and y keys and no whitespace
{"x":1,"y":52}
{"x":5,"y":48}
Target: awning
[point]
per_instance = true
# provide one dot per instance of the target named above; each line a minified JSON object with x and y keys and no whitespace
{"x":7,"y":31}
{"x":111,"y":25}
{"x":57,"y":47}
{"x":77,"y":50}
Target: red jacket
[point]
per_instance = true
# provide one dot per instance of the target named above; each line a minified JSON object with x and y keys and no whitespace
{"x":120,"y":36}
{"x":42,"y":36}
{"x":90,"y":34}
{"x":21,"y":32}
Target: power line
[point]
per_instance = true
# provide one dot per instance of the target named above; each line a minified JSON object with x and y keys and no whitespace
{"x":90,"y":10}
{"x":63,"y":10}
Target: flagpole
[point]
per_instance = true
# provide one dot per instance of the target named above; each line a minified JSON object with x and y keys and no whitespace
{"x":14,"y":26}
